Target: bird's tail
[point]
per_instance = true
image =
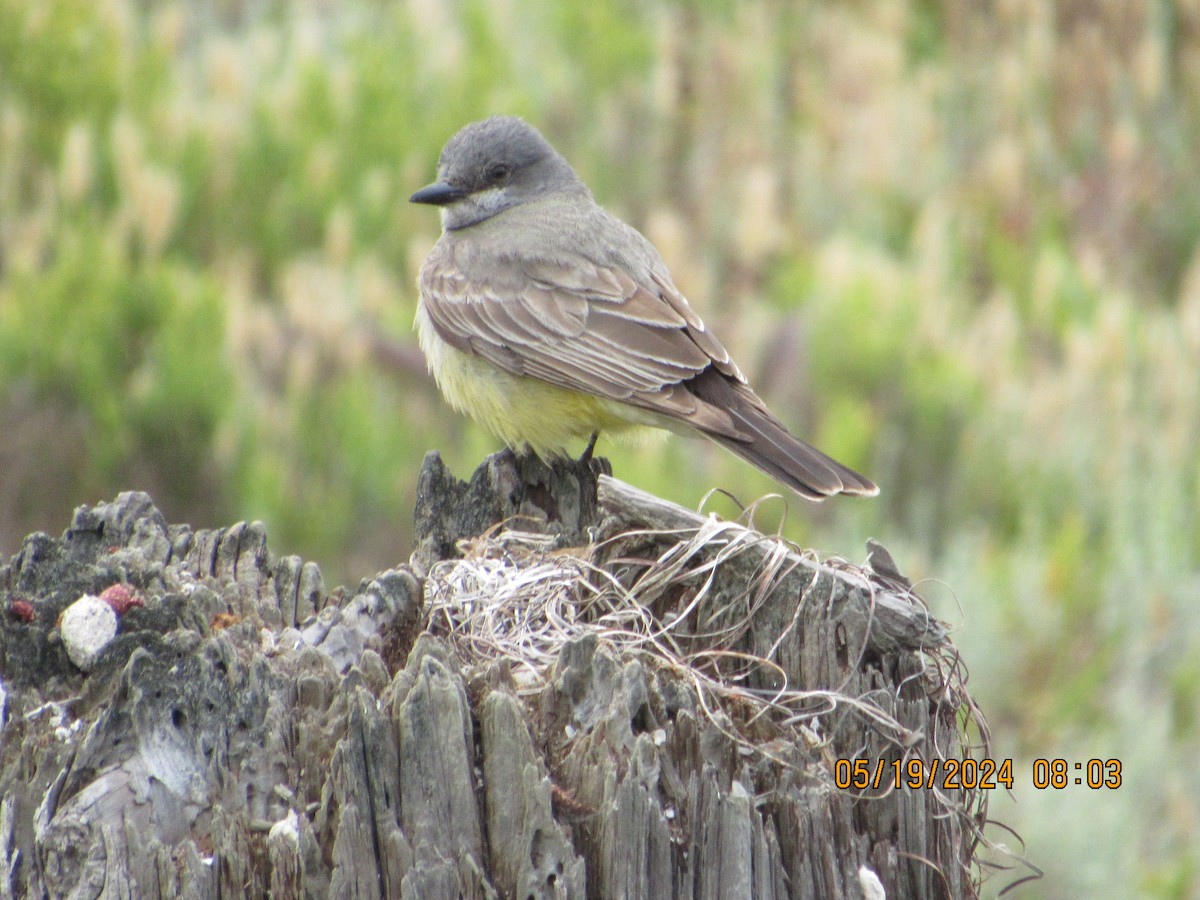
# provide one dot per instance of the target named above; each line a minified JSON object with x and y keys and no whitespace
{"x":765,"y":443}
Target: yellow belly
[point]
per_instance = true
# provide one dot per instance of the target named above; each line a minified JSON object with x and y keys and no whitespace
{"x":525,"y":413}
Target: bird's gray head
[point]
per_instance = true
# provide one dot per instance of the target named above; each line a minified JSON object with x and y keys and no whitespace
{"x":494,"y":165}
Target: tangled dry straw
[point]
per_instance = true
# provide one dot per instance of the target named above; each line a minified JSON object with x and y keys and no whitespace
{"x":664,"y":597}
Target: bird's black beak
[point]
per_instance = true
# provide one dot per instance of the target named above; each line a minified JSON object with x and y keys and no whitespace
{"x":438,"y":194}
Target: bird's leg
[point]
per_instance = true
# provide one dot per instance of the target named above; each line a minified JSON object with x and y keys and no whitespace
{"x":587,"y":453}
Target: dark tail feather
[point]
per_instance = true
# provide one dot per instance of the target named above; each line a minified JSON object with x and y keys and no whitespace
{"x":772,"y":448}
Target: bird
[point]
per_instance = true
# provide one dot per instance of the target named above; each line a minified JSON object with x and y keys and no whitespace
{"x":550,"y":321}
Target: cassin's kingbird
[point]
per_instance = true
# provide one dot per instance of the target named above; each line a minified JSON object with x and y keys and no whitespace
{"x":548,"y":320}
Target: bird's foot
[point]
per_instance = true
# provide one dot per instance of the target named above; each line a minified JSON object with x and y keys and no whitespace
{"x":587,"y":453}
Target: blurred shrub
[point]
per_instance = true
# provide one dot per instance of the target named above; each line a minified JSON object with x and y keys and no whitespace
{"x":135,"y":350}
{"x":956,"y":245}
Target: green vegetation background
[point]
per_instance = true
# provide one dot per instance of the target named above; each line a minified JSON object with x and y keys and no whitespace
{"x":954,"y":244}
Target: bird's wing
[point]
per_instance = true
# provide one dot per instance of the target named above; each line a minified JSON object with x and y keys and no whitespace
{"x":585,"y":327}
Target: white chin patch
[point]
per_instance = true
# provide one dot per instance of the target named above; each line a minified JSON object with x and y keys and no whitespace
{"x":490,"y":201}
{"x":476,"y":207}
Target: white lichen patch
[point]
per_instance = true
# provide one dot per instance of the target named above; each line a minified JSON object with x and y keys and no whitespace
{"x":87,"y":626}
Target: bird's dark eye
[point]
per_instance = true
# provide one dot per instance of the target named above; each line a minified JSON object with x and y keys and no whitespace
{"x":498,"y":172}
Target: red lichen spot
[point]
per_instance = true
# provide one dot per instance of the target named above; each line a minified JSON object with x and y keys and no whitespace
{"x":23,"y":610}
{"x":121,"y":597}
{"x":224,"y":620}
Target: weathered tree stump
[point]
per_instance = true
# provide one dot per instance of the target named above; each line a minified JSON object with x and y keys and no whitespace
{"x":574,"y":689}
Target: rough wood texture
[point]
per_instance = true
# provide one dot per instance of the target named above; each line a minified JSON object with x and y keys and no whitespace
{"x":249,"y":734}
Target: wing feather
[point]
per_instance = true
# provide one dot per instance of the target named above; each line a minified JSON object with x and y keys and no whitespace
{"x":575,"y":324}
{"x":565,"y":315}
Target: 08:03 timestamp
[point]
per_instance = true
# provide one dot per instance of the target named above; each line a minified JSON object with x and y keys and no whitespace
{"x":972,"y":774}
{"x":1095,"y":773}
